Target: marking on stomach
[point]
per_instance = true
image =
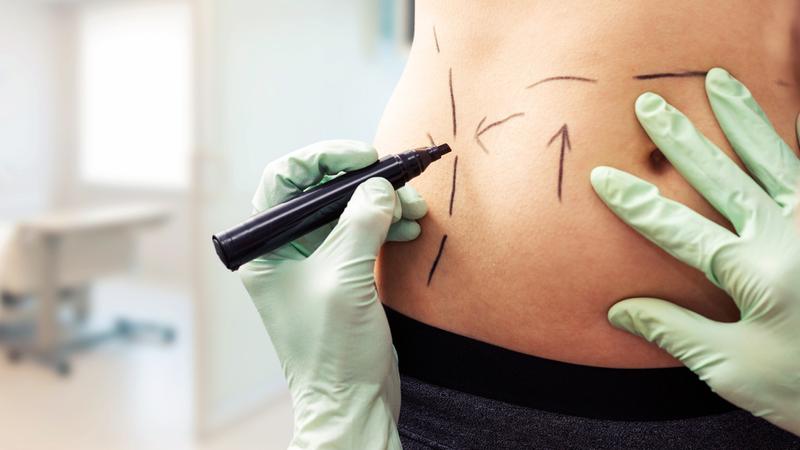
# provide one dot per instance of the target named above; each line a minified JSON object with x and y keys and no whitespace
{"x":684,"y":74}
{"x":453,"y":187}
{"x":565,"y":145}
{"x":783,"y":83}
{"x":562,"y":78}
{"x":436,"y":39}
{"x":479,"y":131}
{"x":436,"y":260}
{"x":430,"y":138}
{"x":452,"y":100}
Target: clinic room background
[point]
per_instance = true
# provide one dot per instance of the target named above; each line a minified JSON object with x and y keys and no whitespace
{"x":130,"y":132}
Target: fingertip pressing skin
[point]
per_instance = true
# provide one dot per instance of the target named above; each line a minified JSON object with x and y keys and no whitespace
{"x":753,"y":137}
{"x":403,"y":231}
{"x":718,"y":80}
{"x":619,"y":316}
{"x":598,"y":179}
{"x":619,"y":189}
{"x":649,"y":104}
{"x":664,"y":124}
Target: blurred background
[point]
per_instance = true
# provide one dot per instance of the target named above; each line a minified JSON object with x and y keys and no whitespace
{"x":130,"y":132}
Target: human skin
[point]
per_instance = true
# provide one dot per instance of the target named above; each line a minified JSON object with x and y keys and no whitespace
{"x":522,"y":269}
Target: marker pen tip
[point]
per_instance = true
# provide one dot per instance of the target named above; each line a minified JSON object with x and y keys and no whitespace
{"x":439,"y":150}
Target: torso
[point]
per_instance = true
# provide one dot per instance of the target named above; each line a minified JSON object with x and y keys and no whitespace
{"x":521,"y":267}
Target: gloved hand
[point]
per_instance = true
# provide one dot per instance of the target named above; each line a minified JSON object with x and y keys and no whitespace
{"x":317,"y":299}
{"x":753,"y":363}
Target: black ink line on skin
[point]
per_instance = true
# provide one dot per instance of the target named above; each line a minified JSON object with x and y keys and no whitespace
{"x":686,"y":74}
{"x":453,"y":187}
{"x":436,"y":39}
{"x":562,"y":78}
{"x":479,"y":131}
{"x":565,"y":145}
{"x":430,"y":138}
{"x":452,"y":100}
{"x":436,"y":260}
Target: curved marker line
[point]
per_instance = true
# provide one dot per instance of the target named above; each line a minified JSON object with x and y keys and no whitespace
{"x":562,"y":78}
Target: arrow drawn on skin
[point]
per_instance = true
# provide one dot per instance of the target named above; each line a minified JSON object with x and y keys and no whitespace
{"x":565,"y":145}
{"x":479,"y":131}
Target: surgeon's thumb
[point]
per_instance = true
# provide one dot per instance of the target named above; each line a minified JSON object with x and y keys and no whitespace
{"x":684,"y":334}
{"x":362,"y":227}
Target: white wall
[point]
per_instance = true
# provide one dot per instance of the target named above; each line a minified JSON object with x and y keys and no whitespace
{"x":275,"y":76}
{"x":29,"y":86}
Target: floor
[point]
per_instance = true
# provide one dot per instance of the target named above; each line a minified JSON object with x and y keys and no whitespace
{"x":124,"y":395}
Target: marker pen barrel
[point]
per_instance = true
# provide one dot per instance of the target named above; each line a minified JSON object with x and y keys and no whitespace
{"x":311,"y":209}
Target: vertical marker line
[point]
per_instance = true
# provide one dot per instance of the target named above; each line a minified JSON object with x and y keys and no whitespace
{"x":436,"y":39}
{"x":453,"y":187}
{"x":452,"y":101}
{"x":561,"y":169}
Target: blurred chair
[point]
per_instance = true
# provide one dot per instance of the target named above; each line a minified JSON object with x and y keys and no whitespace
{"x":47,"y":264}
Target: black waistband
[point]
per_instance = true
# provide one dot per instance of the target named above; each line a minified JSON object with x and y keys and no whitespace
{"x":456,"y":362}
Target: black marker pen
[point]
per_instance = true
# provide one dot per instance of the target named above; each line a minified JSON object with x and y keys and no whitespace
{"x":311,"y":209}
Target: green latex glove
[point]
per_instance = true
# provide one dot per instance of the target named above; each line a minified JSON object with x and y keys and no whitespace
{"x":317,"y":299}
{"x":753,"y":363}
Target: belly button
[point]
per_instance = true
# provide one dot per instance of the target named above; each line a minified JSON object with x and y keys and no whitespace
{"x":658,"y":162}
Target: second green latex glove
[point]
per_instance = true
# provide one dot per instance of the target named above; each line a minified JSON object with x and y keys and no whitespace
{"x":755,"y":362}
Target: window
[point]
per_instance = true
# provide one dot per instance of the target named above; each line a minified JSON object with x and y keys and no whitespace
{"x":135,"y":108}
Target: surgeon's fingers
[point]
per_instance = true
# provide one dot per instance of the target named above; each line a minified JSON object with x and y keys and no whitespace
{"x":286,"y":177}
{"x":753,"y":137}
{"x":683,"y":233}
{"x":413,"y":205}
{"x":362,"y":228}
{"x":684,"y":334}
{"x":404,"y":230}
{"x":408,"y":207}
{"x":729,"y":189}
